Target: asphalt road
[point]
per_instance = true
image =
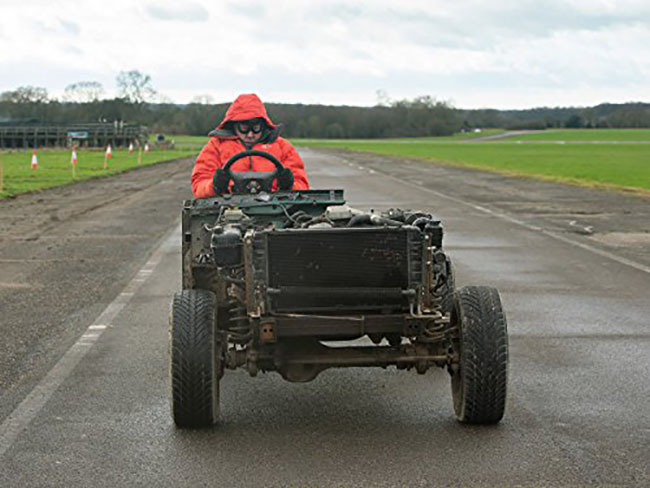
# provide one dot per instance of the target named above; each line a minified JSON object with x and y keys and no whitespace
{"x":577,"y":309}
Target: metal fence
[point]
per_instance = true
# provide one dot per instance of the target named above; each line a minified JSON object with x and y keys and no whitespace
{"x":84,"y":135}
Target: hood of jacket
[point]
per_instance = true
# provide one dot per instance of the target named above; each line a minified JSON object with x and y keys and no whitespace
{"x":245,"y":107}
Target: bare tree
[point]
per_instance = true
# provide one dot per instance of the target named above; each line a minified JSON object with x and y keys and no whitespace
{"x":202,"y":100}
{"x":83,"y":92}
{"x":383,"y":100}
{"x":161,"y":98}
{"x":25,"y":94}
{"x":135,"y":87}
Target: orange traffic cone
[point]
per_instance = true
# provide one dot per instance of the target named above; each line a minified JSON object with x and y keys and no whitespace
{"x":108,"y":155}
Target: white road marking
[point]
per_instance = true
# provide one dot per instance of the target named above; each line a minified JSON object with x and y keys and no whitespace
{"x":554,"y":235}
{"x":25,"y":412}
{"x":4,"y":284}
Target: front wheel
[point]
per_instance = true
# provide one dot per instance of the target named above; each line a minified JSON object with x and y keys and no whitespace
{"x":195,"y":359}
{"x":480,"y":345}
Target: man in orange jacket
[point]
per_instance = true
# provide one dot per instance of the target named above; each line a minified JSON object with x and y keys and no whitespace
{"x":246,"y":126}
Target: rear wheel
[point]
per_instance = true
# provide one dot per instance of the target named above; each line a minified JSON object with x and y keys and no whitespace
{"x":195,"y":359}
{"x":478,"y":382}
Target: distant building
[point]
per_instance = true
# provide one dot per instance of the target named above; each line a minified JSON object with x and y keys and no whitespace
{"x":28,"y":134}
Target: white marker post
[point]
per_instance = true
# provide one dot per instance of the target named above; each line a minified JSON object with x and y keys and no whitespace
{"x":34,"y":159}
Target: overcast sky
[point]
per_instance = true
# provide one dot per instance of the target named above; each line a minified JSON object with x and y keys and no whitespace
{"x":500,"y":54}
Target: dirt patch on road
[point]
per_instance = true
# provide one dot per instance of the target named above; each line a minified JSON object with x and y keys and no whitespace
{"x":624,"y":239}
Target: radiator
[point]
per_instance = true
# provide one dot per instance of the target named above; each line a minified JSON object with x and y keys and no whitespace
{"x":351,"y":269}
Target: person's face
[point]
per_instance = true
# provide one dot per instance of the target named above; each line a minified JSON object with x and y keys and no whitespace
{"x":249,"y":131}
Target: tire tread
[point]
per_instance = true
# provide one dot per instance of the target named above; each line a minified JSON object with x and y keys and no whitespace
{"x":192,"y":349}
{"x":484,"y":356}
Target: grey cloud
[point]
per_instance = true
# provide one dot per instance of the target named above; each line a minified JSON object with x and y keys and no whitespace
{"x":252,"y":9}
{"x":479,"y":25}
{"x":338,"y":11}
{"x":70,"y":27}
{"x":539,"y":19}
{"x":190,"y":12}
{"x":73,"y":50}
{"x":57,"y":27}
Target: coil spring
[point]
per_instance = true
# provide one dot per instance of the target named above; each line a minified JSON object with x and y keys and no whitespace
{"x":433,"y":332}
{"x":238,"y":325}
{"x":439,"y":290}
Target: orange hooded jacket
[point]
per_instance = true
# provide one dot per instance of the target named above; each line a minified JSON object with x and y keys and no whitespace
{"x":224,"y":144}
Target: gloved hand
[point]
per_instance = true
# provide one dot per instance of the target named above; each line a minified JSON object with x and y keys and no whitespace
{"x":220,"y":182}
{"x":285,"y":179}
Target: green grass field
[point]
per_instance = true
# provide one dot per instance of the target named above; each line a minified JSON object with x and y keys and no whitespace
{"x":54,"y":168}
{"x":184,"y":140}
{"x":463,"y":136}
{"x":608,"y":164}
{"x":460,"y":137}
{"x":585,"y":135}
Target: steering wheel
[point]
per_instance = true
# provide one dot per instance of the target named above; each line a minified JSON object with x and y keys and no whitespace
{"x":252,"y":181}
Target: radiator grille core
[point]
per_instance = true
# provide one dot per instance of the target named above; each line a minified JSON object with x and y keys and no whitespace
{"x":340,"y":268}
{"x":339,"y":260}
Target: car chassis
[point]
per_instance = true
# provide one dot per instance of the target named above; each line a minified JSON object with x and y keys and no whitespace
{"x":269,"y":277}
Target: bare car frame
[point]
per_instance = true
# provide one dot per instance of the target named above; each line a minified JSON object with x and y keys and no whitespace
{"x":270,"y":277}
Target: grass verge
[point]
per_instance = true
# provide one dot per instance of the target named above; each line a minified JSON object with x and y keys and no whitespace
{"x":611,"y":165}
{"x":54,"y":168}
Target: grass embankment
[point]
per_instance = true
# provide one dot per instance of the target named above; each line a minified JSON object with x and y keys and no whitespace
{"x":54,"y":168}
{"x":617,"y":165}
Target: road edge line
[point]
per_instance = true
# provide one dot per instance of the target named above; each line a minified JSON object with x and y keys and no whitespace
{"x":20,"y":418}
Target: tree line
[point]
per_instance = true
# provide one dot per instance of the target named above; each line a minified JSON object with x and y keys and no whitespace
{"x":138,"y":102}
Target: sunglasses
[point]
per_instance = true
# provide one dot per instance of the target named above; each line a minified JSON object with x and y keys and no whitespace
{"x":246,"y":127}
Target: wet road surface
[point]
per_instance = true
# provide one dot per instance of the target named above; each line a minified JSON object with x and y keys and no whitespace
{"x":577,"y":410}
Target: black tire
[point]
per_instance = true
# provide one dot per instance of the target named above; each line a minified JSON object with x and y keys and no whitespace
{"x":479,"y":384}
{"x":195,"y":359}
